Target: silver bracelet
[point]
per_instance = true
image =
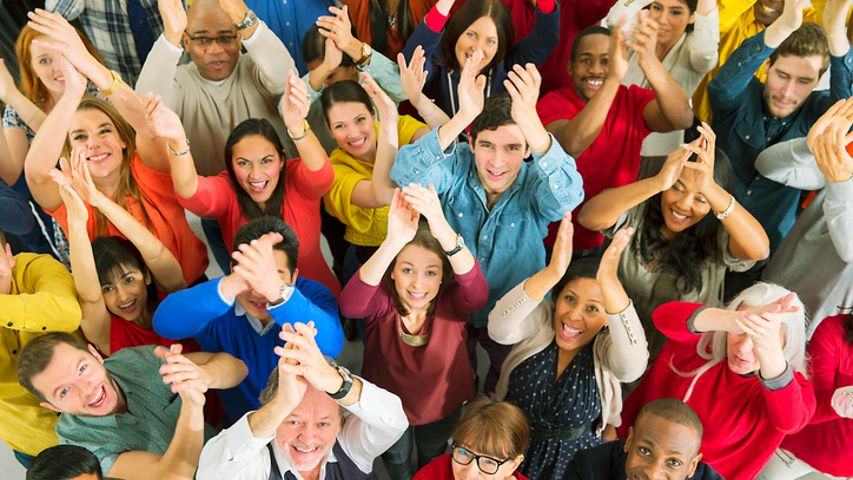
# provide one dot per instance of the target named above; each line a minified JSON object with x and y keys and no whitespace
{"x":182,"y":152}
{"x":728,"y":211}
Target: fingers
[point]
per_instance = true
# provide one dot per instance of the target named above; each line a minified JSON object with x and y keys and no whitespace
{"x":619,"y":243}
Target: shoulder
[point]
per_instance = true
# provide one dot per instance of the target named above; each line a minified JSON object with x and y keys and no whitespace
{"x":133,"y":362}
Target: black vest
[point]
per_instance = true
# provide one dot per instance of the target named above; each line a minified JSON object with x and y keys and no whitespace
{"x":342,"y":469}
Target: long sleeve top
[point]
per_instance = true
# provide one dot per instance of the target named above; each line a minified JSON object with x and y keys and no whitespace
{"x":442,"y":82}
{"x":210,"y":110}
{"x":745,"y":417}
{"x":42,"y":299}
{"x":744,"y":128}
{"x":289,"y":20}
{"x":372,"y":425}
{"x":825,"y":443}
{"x":514,"y":227}
{"x":620,"y":351}
{"x":434,"y":379}
{"x":816,"y":258}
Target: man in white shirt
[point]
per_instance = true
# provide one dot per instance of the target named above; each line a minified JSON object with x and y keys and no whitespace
{"x":300,"y":433}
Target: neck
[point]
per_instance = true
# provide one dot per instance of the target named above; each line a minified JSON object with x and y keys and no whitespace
{"x":661,"y":50}
{"x":667,"y":233}
{"x":492,"y":198}
{"x":109,"y":185}
{"x":313,"y":474}
{"x":414,"y":321}
{"x":564,"y":358}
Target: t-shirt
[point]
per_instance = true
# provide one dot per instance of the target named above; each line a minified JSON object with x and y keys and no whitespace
{"x":440,"y":469}
{"x":365,"y":227}
{"x":613,"y":159}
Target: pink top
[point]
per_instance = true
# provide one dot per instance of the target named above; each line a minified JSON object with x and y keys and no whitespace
{"x":434,"y":379}
{"x":303,"y":192}
{"x":744,"y":421}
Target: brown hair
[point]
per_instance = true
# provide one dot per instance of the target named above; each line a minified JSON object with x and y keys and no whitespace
{"x":424,"y":239}
{"x":470,"y":12}
{"x":498,"y":429}
{"x":37,"y":355}
{"x":807,"y":41}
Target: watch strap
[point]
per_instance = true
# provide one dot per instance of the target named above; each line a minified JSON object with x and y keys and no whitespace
{"x":346,"y":386}
{"x":459,"y":244}
{"x":248,"y":21}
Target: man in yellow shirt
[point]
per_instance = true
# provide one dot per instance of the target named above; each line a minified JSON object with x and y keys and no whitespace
{"x":36,"y":296}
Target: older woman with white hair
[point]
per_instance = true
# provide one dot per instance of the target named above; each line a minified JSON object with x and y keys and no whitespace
{"x":742,"y":369}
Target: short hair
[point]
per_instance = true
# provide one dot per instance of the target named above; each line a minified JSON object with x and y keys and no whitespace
{"x":672,"y":410}
{"x":260,"y":226}
{"x":64,"y":462}
{"x":498,"y":429}
{"x":807,"y":41}
{"x":496,"y":113}
{"x":37,"y":355}
{"x":314,"y":48}
{"x":593,"y":30}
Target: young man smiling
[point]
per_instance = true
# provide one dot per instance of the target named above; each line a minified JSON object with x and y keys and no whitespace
{"x":500,"y":204}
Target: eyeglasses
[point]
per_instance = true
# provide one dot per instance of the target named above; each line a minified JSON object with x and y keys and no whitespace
{"x":487,"y":465}
{"x":222,"y":40}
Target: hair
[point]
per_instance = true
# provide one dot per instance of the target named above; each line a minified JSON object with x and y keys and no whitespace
{"x":593,"y":30}
{"x":314,"y":47}
{"x":64,"y":462}
{"x":688,"y":250}
{"x":31,"y":86}
{"x":468,"y":13}
{"x":2,"y":240}
{"x":424,"y":239}
{"x":848,"y":321}
{"x":807,"y":41}
{"x":263,"y":128}
{"x":112,"y":254}
{"x":582,"y":268}
{"x":345,"y":91}
{"x":497,"y":429}
{"x":378,"y":14}
{"x":496,"y":113}
{"x":672,"y":410}
{"x":37,"y":355}
{"x":260,"y":226}
{"x":712,"y":345}
{"x":691,"y":7}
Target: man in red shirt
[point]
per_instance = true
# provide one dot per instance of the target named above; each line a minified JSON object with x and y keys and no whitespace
{"x":603,"y":123}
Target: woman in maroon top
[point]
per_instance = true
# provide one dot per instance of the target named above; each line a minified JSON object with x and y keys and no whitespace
{"x":415,"y":310}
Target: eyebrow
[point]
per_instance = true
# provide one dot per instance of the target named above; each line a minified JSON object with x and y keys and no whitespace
{"x":591,"y":299}
{"x":428,"y":266}
{"x":105,"y":124}
{"x":57,"y":389}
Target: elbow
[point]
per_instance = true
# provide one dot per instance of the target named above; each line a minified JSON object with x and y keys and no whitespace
{"x":588,"y":220}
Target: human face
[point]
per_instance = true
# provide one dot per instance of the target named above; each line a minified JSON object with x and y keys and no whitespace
{"x":308,"y":434}
{"x":661,"y":450}
{"x":481,"y":35}
{"x":417,"y":276}
{"x":682,"y":205}
{"x":790,"y":80}
{"x":471,"y":471}
{"x":215,"y":59}
{"x":257,"y":166}
{"x":673,"y":16}
{"x":767,"y":11}
{"x":253,"y":302}
{"x":499,"y":154}
{"x":126,"y":293}
{"x":591,"y":65}
{"x":104,"y":148}
{"x":353,"y":126}
{"x":45,"y":64}
{"x":578,"y":314}
{"x":339,"y":74}
{"x":76,"y":382}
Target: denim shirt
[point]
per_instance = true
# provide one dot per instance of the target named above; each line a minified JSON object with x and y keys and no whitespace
{"x":745,"y":128}
{"x":506,"y":240}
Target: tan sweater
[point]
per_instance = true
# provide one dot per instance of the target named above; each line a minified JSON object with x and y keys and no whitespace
{"x":210,"y":110}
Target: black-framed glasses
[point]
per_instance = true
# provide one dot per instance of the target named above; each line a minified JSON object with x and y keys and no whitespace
{"x":487,"y":465}
{"x":222,"y":40}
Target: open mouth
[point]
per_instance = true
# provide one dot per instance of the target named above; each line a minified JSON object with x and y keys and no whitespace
{"x":678,"y":217}
{"x":217,"y":65}
{"x":417,"y":296}
{"x":100,"y":398}
{"x":258,"y":187}
{"x":497,"y":175}
{"x":128,"y":307}
{"x":569,"y":333}
{"x":593,"y":83}
{"x":301,"y":452}
{"x":357,"y":143}
{"x":99,"y":158}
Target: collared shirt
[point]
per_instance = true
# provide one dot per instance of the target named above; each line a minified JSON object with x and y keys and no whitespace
{"x":371,"y":426}
{"x":506,"y":239}
{"x":744,"y":128}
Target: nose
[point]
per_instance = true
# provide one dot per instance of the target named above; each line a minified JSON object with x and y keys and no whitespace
{"x":788,"y":91}
{"x":214,"y":47}
{"x":597,"y":68}
{"x":307,"y":433}
{"x":654,"y":471}
{"x":684,"y":203}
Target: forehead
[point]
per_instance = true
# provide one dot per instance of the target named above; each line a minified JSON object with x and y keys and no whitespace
{"x":593,"y":44}
{"x":800,"y":67}
{"x":316,"y":405}
{"x":667,"y":436}
{"x":584,"y":287}
{"x":343,"y":111}
{"x":418,"y":256}
{"x":253,"y":144}
{"x":484,"y":25}
{"x":671,"y":3}
{"x":90,"y":118}
{"x":62,"y":364}
{"x":38,"y":51}
{"x":207,"y":18}
{"x":503,"y":135}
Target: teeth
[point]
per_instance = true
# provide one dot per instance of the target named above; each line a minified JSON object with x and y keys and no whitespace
{"x":97,"y":158}
{"x":359,"y":142}
{"x":300,"y":450}
{"x":595,"y":82}
{"x":128,"y":304}
{"x":569,"y":331}
{"x":258,"y":185}
{"x":102,"y":395}
{"x":678,"y":216}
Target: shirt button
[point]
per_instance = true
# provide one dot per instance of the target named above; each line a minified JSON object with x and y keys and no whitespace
{"x":746,"y":137}
{"x":460,"y":214}
{"x":512,"y":225}
{"x":485,"y":237}
{"x":749,"y":192}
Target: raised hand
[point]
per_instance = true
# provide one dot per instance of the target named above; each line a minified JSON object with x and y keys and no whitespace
{"x":59,"y":35}
{"x":74,"y":174}
{"x":7,"y":265}
{"x":387,"y":108}
{"x":174,"y":20}
{"x":305,"y":359}
{"x":185,"y":377}
{"x":402,"y":220}
{"x":412,"y":76}
{"x":235,"y":9}
{"x":162,"y":121}
{"x":703,"y":167}
{"x":291,"y":386}
{"x":644,"y":37}
{"x":75,"y":82}
{"x":522,"y":84}
{"x":256,"y":265}
{"x":841,"y":111}
{"x":425,"y":201}
{"x":338,"y":28}
{"x":831,"y":154}
{"x":792,"y":14}
{"x":561,"y":255}
{"x":471,"y":87}
{"x":673,"y":165}
{"x":617,"y":62}
{"x":294,"y":104}
{"x":608,"y":268}
{"x":76,"y":210}
{"x":332,"y":56}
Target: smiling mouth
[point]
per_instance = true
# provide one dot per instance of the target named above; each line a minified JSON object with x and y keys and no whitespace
{"x":357,"y":143}
{"x":258,"y":187}
{"x":569,"y":333}
{"x":100,"y":398}
{"x":98,"y":158}
{"x":678,"y":217}
{"x":593,"y":83}
{"x":417,"y":296}
{"x":304,"y":451}
{"x":127,"y":305}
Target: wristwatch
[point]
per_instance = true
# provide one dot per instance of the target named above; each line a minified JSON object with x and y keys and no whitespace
{"x":346,"y":375}
{"x":366,"y":53}
{"x":286,"y":292}
{"x":460,"y":242}
{"x":248,"y":21}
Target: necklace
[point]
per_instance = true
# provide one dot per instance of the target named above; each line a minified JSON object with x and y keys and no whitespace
{"x":411,"y":339}
{"x":392,"y":21}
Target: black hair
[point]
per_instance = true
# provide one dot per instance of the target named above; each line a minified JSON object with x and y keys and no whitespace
{"x":593,"y":30}
{"x":378,"y":15}
{"x":263,"y":128}
{"x":112,"y":254}
{"x":672,"y":410}
{"x":497,"y":112}
{"x":314,"y":47}
{"x":64,"y":462}
{"x":468,"y":13}
{"x":583,"y":268}
{"x":688,"y":250}
{"x":343,"y":92}
{"x":260,"y":226}
{"x":691,"y":9}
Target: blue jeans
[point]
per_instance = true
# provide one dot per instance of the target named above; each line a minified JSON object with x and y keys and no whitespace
{"x":221,"y":253}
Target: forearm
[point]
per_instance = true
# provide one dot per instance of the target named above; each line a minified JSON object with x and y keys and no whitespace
{"x":316,"y":79}
{"x":158,"y":73}
{"x":272,"y":59}
{"x":715,"y":320}
{"x":375,"y":267}
{"x":838,"y":211}
{"x":27,"y":110}
{"x":450,"y":131}
{"x":580,"y":132}
{"x":772,"y":362}
{"x":603,"y":210}
{"x":747,"y":238}
{"x":47,"y":145}
{"x":539,"y":285}
{"x":310,"y":151}
{"x":13,"y":150}
{"x":673,"y":100}
{"x":432,"y":114}
{"x":223,"y":371}
{"x":462,"y":261}
{"x":380,"y":181}
{"x":265,"y":421}
{"x":181,"y":457}
{"x":184,"y":175}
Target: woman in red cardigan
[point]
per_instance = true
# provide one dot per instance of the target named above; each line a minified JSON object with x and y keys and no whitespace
{"x":742,"y":370}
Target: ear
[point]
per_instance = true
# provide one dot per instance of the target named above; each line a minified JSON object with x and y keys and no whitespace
{"x":516,"y":462}
{"x":627,"y":445}
{"x":50,"y":407}
{"x":694,"y":464}
{"x":294,"y":276}
{"x":470,"y":142}
{"x":94,"y":352}
{"x":185,"y":39}
{"x":528,"y":150}
{"x":147,"y":277}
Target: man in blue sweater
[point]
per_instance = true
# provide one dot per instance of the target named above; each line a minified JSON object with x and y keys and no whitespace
{"x":242,"y":313}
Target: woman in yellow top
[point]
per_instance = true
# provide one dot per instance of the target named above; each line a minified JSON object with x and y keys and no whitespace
{"x":363,"y":188}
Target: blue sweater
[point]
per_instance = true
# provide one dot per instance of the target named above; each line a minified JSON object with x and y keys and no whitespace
{"x":201,"y":313}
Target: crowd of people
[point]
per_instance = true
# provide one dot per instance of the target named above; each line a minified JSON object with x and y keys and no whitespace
{"x":637,"y":214}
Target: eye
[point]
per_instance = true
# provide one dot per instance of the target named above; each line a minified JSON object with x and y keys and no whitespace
{"x":470,"y":34}
{"x":107,"y":288}
{"x":702,"y":200}
{"x":266,"y":160}
{"x":324,"y":424}
{"x":129,"y":279}
{"x":83,"y":368}
{"x":570,"y":298}
{"x":407,"y":270}
{"x":293,"y":423}
{"x":44,"y":61}
{"x":492,"y":41}
{"x":604,"y":61}
{"x":677,"y":188}
{"x":592,"y":309}
{"x":78,"y":138}
{"x":586,"y":61}
{"x":673,"y":462}
{"x":243,"y":163}
{"x":104,"y":131}
{"x":644,"y":451}
{"x":514,"y":148}
{"x":63,"y":393}
{"x":432,"y":274}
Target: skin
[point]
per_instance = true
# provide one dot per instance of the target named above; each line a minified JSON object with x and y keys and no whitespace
{"x":673,"y":16}
{"x":740,"y":351}
{"x":578,"y":317}
{"x":499,"y":155}
{"x":417,"y":277}
{"x":257,"y":166}
{"x":591,"y":65}
{"x":104,"y":147}
{"x":76,"y":382}
{"x":790,"y":80}
{"x":255,"y":303}
{"x":312,"y":425}
{"x":472,"y":472}
{"x":215,"y":61}
{"x":352,"y":126}
{"x":683,"y":199}
{"x":767,"y":11}
{"x":128,"y":288}
{"x":339,"y":74}
{"x":659,"y":449}
{"x":481,"y":35}
{"x":45,"y":64}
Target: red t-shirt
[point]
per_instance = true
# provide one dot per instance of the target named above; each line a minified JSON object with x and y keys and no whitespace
{"x":125,"y":334}
{"x":440,"y":469}
{"x":613,"y":159}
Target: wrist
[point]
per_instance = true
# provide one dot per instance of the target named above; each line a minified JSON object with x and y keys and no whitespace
{"x":333,"y":380}
{"x":353,"y":48}
{"x":173,"y":37}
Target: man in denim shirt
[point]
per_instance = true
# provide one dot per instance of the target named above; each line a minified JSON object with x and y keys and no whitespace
{"x":500,"y":204}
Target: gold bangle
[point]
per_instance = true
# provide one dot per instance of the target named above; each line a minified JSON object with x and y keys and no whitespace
{"x":304,"y":133}
{"x":114,"y":86}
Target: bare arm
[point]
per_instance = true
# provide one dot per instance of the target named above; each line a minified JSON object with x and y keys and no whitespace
{"x":402,"y":226}
{"x":412,"y":79}
{"x":836,"y":32}
{"x":294,"y":108}
{"x":379,"y":191}
{"x":166,"y":124}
